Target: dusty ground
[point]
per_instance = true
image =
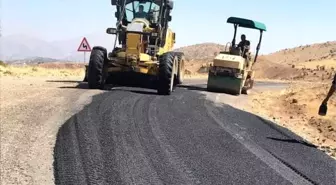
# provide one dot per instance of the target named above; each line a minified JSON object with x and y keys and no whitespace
{"x":34,"y":104}
{"x":296,"y":108}
{"x":32,"y":109}
{"x":42,"y":70}
{"x":60,"y":70}
{"x":35,"y":101}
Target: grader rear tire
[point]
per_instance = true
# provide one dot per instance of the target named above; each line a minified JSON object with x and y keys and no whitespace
{"x":180,"y":72}
{"x":96,"y":77}
{"x":166,"y":74}
{"x":86,"y":74}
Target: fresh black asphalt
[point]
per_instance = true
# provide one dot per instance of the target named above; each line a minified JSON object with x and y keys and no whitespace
{"x":133,"y":136}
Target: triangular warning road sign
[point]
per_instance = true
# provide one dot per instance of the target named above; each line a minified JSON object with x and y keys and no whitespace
{"x":84,"y":46}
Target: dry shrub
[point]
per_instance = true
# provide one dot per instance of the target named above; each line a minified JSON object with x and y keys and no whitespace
{"x":2,"y":63}
{"x":187,"y":72}
{"x":322,"y":68}
{"x":39,"y":71}
{"x":8,"y":73}
{"x":330,"y":76}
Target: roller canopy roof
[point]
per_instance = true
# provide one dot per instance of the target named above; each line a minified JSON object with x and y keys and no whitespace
{"x":154,"y":1}
{"x":247,"y":23}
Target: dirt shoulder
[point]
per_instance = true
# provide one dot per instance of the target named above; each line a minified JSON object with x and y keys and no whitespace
{"x":35,"y":102}
{"x":32,"y":110}
{"x":43,"y":70}
{"x":296,"y":108}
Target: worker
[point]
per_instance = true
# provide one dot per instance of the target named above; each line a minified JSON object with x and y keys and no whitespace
{"x":244,"y":45}
{"x":122,"y":26}
{"x":330,"y":93}
{"x":140,"y":13}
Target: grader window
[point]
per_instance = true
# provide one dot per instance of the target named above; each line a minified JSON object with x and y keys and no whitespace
{"x":145,"y":6}
{"x":148,"y":10}
{"x":129,"y":12}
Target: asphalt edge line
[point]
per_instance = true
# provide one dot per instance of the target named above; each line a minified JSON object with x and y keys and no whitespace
{"x":270,"y":160}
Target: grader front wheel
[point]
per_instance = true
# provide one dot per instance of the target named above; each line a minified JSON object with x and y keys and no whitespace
{"x":166,"y":73}
{"x":95,"y":77}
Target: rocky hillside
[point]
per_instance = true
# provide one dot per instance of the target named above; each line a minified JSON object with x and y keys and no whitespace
{"x":314,"y":62}
{"x":201,"y":52}
{"x":32,"y":60}
{"x":307,"y":53}
{"x":310,"y":62}
{"x":271,"y":70}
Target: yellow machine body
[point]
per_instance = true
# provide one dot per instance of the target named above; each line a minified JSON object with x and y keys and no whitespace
{"x":132,"y":56}
{"x":229,"y":73}
{"x":145,"y":58}
{"x":229,"y":61}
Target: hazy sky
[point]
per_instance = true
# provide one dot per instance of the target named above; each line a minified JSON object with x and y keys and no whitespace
{"x":289,"y":22}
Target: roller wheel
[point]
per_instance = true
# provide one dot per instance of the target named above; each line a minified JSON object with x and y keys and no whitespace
{"x":248,"y":87}
{"x":238,"y":92}
{"x":96,"y":72}
{"x":245,"y":91}
{"x":166,"y":73}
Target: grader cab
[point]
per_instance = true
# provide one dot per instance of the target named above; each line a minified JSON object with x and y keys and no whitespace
{"x":232,"y":71}
{"x":145,"y":55}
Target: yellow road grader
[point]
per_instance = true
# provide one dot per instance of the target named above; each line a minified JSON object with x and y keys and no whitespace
{"x":232,"y":70}
{"x":145,"y":58}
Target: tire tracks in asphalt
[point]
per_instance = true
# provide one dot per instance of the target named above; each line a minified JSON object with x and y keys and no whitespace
{"x":137,"y":137}
{"x":274,"y":163}
{"x":184,"y":172}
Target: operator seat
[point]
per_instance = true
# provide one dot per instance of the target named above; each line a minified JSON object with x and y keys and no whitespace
{"x":235,"y":51}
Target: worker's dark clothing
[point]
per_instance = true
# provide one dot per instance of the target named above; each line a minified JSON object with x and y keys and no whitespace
{"x":122,"y":35}
{"x":140,"y":15}
{"x":334,"y":81}
{"x":241,"y":45}
{"x":122,"y":38}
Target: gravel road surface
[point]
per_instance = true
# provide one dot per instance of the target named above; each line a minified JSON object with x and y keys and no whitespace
{"x":133,"y":136}
{"x":32,"y":110}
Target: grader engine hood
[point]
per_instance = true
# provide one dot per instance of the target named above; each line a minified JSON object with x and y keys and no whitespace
{"x":136,"y":42}
{"x":134,"y":38}
{"x":139,"y":25}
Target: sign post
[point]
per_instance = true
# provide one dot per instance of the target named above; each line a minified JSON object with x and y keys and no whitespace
{"x":84,"y":47}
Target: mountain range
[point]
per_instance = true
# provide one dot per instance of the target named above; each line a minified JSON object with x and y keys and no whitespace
{"x":20,"y":48}
{"x":24,"y":47}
